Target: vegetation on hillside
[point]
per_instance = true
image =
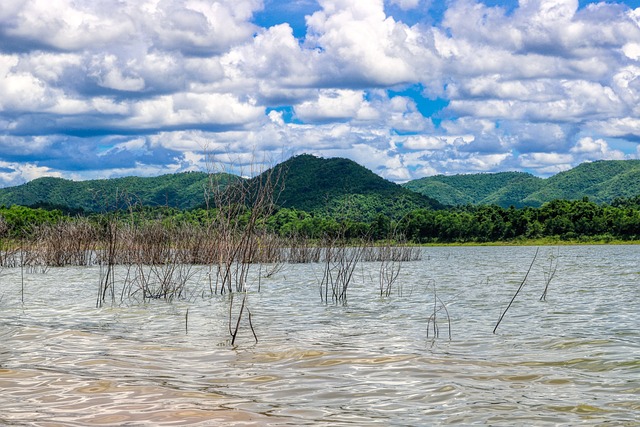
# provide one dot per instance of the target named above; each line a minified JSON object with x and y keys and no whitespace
{"x":181,"y":190}
{"x":314,"y":198}
{"x":577,"y":220}
{"x":477,"y":189}
{"x":341,"y":188}
{"x":601,"y":181}
{"x":322,"y":186}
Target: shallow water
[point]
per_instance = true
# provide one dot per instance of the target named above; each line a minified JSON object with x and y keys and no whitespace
{"x":572,"y":359}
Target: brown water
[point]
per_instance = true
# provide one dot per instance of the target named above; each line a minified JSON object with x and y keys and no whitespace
{"x":574,"y":359}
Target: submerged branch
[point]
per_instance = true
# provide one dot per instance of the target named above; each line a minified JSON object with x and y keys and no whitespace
{"x":517,"y":292}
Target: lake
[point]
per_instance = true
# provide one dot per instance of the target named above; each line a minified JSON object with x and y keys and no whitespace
{"x":571,"y":359}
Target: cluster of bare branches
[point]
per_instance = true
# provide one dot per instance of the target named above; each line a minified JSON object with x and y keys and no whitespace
{"x":71,"y":242}
{"x":391,"y":258}
{"x":340,"y":261}
{"x":242,"y":208}
{"x":389,"y":272}
{"x":300,"y":250}
{"x":396,"y":252}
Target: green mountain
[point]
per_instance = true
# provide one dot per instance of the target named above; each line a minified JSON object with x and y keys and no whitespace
{"x":181,"y":190}
{"x":335,"y":186}
{"x":342,"y":188}
{"x":601,"y":181}
{"x":339,"y":187}
{"x":477,"y":189}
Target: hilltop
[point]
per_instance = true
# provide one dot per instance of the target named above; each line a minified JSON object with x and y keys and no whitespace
{"x":339,"y":187}
{"x":333,"y":186}
{"x":181,"y":190}
{"x":602,"y":181}
{"x":342,"y":188}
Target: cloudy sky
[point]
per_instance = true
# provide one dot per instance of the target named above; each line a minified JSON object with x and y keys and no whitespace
{"x":408,"y":88}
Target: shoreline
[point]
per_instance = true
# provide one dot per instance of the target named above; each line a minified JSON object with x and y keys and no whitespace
{"x":537,"y":242}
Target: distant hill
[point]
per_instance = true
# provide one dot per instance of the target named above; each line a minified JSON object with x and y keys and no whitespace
{"x":334,"y":186}
{"x":343,"y":188}
{"x":340,"y":187}
{"x":504,"y":188}
{"x":601,"y":181}
{"x":181,"y":190}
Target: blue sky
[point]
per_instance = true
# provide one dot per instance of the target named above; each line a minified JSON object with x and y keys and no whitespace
{"x":407,"y":88}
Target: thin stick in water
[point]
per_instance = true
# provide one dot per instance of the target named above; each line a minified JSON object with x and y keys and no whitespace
{"x":518,"y":291}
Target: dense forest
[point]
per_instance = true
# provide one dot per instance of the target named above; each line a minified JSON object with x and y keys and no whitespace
{"x":574,"y":221}
{"x":601,"y":181}
{"x":316,"y":198}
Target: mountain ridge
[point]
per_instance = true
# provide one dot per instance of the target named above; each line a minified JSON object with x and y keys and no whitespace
{"x":340,"y":187}
{"x":602,"y":181}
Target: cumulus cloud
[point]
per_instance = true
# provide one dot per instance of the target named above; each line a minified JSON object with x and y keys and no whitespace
{"x":406,"y":4}
{"x":335,"y":105}
{"x":17,"y":173}
{"x":90,"y":89}
{"x":62,"y":25}
{"x":362,"y":45}
{"x":588,"y":148}
{"x":200,"y":27}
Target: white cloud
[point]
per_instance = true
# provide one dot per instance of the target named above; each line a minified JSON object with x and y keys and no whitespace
{"x":14,"y":173}
{"x":193,"y":27}
{"x":274,"y":65}
{"x":399,"y":113}
{"x":21,"y":91}
{"x":47,"y":66}
{"x":110,"y":74}
{"x":543,"y":86}
{"x":333,"y":105}
{"x":617,"y":127}
{"x":137,"y":145}
{"x":190,"y":109}
{"x":362,"y":45}
{"x":547,"y":162}
{"x":64,"y":24}
{"x":201,"y":27}
{"x":632,"y":50}
{"x":431,"y":143}
{"x":588,"y":148}
{"x":405,"y":4}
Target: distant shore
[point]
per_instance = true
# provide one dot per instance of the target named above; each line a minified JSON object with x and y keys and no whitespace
{"x":540,"y":242}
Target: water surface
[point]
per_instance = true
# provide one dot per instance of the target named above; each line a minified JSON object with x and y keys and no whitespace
{"x":572,"y":359}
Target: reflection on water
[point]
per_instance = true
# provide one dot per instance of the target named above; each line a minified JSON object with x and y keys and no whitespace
{"x":574,"y":359}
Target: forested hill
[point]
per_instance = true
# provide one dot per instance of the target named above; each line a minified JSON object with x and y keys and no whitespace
{"x":181,"y":190}
{"x":601,"y":181}
{"x":333,"y":186}
{"x":342,"y":188}
{"x":504,"y":188}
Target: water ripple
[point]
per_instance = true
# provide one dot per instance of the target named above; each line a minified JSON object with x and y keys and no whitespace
{"x":572,"y":359}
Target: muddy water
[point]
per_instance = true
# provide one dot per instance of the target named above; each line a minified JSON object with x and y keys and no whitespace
{"x":573,"y":359}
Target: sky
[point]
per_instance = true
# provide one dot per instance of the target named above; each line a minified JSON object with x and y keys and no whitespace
{"x":407,"y":88}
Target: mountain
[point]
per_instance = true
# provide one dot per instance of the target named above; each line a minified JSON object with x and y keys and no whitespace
{"x":181,"y":190}
{"x":341,"y":187}
{"x":477,"y":189}
{"x":602,"y":181}
{"x":334,"y":186}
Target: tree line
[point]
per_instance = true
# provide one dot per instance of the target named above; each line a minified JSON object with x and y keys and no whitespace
{"x":571,"y":220}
